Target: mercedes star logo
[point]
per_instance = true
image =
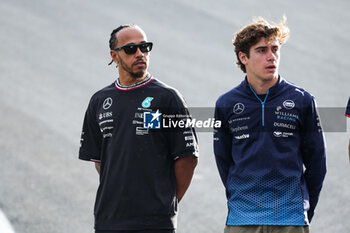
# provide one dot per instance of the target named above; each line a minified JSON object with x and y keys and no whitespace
{"x":107,"y":103}
{"x":238,"y":108}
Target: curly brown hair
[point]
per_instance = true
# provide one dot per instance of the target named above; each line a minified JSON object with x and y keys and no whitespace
{"x":251,"y":35}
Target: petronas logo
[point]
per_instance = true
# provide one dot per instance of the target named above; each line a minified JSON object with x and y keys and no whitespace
{"x":147,"y":102}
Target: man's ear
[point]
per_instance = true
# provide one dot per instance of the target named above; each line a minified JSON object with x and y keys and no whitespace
{"x":114,"y":56}
{"x":243,"y":57}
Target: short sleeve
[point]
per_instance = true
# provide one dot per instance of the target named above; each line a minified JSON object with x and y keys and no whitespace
{"x":91,"y":138}
{"x":182,"y":138}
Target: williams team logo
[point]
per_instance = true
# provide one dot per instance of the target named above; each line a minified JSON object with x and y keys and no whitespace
{"x":151,"y":120}
{"x":147,"y":102}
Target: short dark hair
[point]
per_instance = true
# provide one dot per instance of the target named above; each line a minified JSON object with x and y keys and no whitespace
{"x":113,"y":40}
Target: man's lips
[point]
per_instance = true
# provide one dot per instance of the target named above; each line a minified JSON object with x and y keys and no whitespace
{"x":139,"y":63}
{"x":271,"y":67}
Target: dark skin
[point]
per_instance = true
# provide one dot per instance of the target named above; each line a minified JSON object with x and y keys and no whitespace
{"x":184,"y":170}
{"x":138,"y":62}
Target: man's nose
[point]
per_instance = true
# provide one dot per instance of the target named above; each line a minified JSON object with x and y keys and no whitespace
{"x":139,"y":53}
{"x":271,"y":56}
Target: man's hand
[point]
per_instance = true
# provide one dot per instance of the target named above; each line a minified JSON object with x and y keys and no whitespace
{"x":184,"y":169}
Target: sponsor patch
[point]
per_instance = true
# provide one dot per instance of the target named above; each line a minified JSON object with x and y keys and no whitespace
{"x":286,"y":116}
{"x":107,"y":103}
{"x":239,"y":119}
{"x":280,"y":134}
{"x":147,"y":102}
{"x":238,"y":128}
{"x":284,"y":125}
{"x":105,"y":115}
{"x":243,"y":136}
{"x":141,"y":131}
{"x":238,"y":108}
{"x":288,"y":104}
{"x":188,"y":138}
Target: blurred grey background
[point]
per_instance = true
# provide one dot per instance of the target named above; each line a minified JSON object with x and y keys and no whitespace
{"x":54,"y":56}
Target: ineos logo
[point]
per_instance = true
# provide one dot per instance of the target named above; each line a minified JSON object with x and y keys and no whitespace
{"x":288,"y":104}
{"x":238,"y":108}
{"x":107,"y":103}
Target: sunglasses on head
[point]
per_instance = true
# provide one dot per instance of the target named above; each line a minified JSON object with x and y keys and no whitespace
{"x":145,"y":47}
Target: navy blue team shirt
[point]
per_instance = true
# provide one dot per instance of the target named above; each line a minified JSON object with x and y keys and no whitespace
{"x":347,"y":111}
{"x":261,"y":150}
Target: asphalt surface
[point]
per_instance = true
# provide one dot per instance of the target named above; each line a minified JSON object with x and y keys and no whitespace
{"x":54,"y":56}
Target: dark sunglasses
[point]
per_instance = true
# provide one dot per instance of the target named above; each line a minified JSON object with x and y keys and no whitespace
{"x":145,"y":47}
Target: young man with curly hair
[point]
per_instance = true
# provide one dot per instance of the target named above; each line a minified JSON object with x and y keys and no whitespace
{"x":270,"y":149}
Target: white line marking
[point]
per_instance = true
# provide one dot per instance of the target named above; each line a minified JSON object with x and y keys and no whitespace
{"x":5,"y":226}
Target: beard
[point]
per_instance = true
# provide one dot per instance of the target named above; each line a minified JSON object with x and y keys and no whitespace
{"x":137,"y":75}
{"x":128,"y":69}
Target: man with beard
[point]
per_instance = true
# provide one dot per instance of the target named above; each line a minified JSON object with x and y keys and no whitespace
{"x":144,"y":169}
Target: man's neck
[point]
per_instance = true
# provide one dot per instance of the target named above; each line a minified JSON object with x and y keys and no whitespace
{"x":261,"y":86}
{"x":127,"y":81}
